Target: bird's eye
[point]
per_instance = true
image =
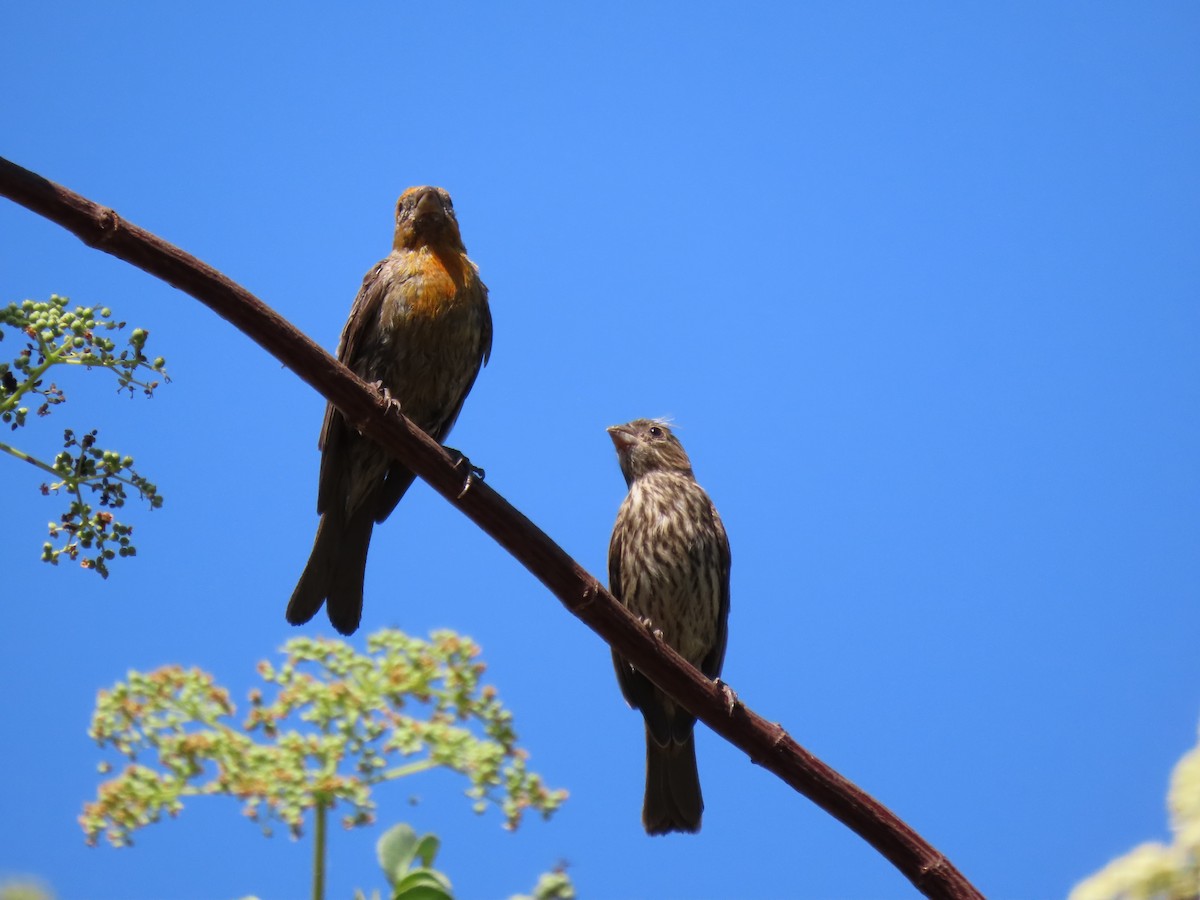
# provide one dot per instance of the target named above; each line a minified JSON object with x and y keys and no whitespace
{"x":655,"y":431}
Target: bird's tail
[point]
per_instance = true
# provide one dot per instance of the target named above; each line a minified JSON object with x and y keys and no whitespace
{"x":335,"y":571}
{"x":673,"y":800}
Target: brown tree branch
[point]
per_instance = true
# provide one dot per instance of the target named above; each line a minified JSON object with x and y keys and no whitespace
{"x":766,"y":743}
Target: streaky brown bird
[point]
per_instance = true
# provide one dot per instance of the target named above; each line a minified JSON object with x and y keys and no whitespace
{"x":668,"y":564}
{"x":419,"y":329}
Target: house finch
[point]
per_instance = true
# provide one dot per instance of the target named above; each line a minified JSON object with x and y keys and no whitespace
{"x":668,"y":563}
{"x":419,"y":329}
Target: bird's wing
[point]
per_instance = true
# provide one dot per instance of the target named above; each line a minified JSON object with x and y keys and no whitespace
{"x":638,"y":690}
{"x":485,"y":353}
{"x":334,"y":430}
{"x":485,"y":341}
{"x":399,"y":478}
{"x":712,"y":663}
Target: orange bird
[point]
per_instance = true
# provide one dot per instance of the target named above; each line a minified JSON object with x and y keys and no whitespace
{"x":419,"y":329}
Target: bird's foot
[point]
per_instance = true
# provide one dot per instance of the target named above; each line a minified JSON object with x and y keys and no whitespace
{"x":473,"y":472}
{"x":382,"y":390}
{"x":646,"y":623}
{"x":731,"y":697}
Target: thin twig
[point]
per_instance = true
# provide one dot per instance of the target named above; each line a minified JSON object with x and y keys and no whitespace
{"x":766,"y":743}
{"x":33,"y":461}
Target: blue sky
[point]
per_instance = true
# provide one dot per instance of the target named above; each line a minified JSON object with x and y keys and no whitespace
{"x":920,"y":284}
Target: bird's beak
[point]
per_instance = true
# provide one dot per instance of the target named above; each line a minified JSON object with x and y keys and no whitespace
{"x":430,"y":204}
{"x":622,"y":436}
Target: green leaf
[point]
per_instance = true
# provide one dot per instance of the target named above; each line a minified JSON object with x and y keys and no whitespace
{"x":427,"y":849}
{"x":426,"y":877}
{"x":424,"y":893}
{"x":396,"y":850}
{"x":423,"y":884}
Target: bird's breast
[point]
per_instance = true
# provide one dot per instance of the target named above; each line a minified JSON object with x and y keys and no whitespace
{"x":433,"y":284}
{"x":429,"y":343}
{"x":670,"y":565}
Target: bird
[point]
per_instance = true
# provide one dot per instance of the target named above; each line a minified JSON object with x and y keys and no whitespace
{"x":668,"y":564}
{"x":419,"y":330}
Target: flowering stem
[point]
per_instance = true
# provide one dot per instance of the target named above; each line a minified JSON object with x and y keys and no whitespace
{"x":319,"y":850}
{"x":19,"y":454}
{"x":92,"y":363}
{"x":410,"y":769}
{"x":35,"y":375}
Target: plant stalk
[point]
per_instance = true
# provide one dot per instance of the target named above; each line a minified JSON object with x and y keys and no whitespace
{"x":318,"y":891}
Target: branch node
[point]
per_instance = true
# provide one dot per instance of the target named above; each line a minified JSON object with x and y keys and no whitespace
{"x":934,"y":866}
{"x":108,"y":223}
{"x":589,"y":595}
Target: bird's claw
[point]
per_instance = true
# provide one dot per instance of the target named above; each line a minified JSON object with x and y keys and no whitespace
{"x":383,"y":391}
{"x":731,"y":697}
{"x":473,"y":472}
{"x":648,"y":624}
